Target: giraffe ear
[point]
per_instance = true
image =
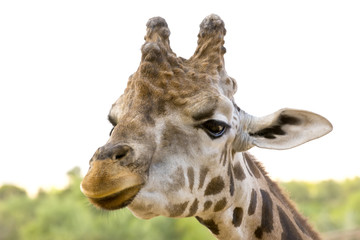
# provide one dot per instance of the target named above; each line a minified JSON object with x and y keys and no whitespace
{"x":286,"y":128}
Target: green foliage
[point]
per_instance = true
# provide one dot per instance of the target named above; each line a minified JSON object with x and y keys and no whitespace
{"x":66,"y":214}
{"x":15,"y":211}
{"x":7,"y":191}
{"x":329,"y":205}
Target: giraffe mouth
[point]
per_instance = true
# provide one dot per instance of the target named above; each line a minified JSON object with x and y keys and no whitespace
{"x":109,"y":186}
{"x":116,"y":200}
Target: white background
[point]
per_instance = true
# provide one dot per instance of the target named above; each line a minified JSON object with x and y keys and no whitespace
{"x":63,"y":63}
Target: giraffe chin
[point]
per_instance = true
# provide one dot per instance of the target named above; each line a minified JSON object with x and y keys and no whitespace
{"x":116,"y":200}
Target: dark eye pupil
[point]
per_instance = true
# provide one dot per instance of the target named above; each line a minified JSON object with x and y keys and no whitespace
{"x":214,"y":128}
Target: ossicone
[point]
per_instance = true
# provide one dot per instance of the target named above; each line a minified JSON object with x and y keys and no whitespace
{"x":157,"y":31}
{"x":211,"y":41}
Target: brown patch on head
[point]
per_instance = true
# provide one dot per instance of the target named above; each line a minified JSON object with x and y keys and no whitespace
{"x":215,"y":186}
{"x":230,"y":174}
{"x":223,"y":156}
{"x":175,"y":139}
{"x":203,"y":173}
{"x":128,"y":131}
{"x":175,"y":210}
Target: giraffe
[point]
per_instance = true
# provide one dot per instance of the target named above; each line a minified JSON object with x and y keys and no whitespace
{"x":179,"y":145}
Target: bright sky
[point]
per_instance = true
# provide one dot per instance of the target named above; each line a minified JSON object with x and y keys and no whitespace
{"x":63,"y":63}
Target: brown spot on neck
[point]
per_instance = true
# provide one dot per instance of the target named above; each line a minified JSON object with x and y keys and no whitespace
{"x":220,"y":205}
{"x":237,"y":216}
{"x":239,"y":172}
{"x":215,"y":186}
{"x":289,"y":229}
{"x":259,"y":233}
{"x":210,"y":224}
{"x":267,"y":219}
{"x":207,"y":205}
{"x":250,"y":162}
{"x":176,"y":210}
{"x":253,"y":202}
{"x":282,"y":197}
{"x":193,"y":208}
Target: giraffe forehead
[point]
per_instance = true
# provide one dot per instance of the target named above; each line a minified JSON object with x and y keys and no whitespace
{"x":218,"y":107}
{"x":199,"y":106}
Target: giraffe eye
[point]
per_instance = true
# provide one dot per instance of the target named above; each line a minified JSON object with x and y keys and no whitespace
{"x":215,"y":129}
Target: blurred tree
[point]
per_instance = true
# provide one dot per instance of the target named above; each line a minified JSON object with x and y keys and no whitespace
{"x":15,"y":211}
{"x":8,"y":190}
{"x":329,"y":191}
{"x":298,"y":191}
{"x":352,"y":206}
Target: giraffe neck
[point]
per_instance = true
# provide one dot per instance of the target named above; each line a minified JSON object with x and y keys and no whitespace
{"x":259,"y":211}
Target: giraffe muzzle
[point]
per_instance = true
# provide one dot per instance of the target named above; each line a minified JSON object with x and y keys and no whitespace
{"x":109,"y":184}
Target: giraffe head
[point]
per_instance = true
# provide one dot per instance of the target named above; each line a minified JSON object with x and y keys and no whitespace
{"x":177,"y":127}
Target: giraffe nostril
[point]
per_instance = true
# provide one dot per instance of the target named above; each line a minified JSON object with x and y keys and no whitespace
{"x":120,"y":151}
{"x":117,"y":152}
{"x":120,"y":156}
